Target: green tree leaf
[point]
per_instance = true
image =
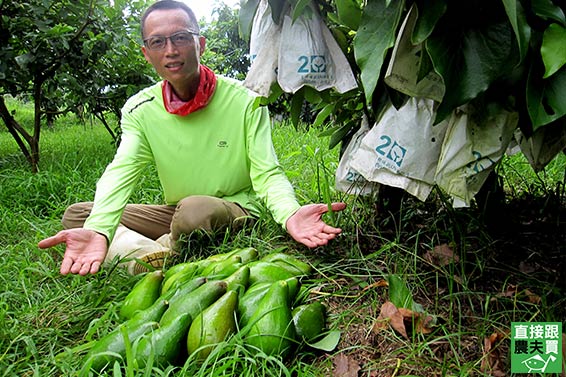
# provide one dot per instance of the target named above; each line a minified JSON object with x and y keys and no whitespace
{"x":519,"y":23}
{"x":375,"y":36}
{"x":246,"y":17}
{"x":553,"y":49}
{"x":429,"y":12}
{"x":400,"y":294}
{"x":329,"y":342}
{"x":349,"y":13}
{"x":545,"y":97}
{"x":547,"y":10}
{"x":323,"y":114}
{"x":299,"y":8}
{"x":338,"y":134}
{"x":470,"y":55}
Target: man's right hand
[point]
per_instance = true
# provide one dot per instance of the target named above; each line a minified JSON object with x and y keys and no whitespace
{"x":84,"y":253}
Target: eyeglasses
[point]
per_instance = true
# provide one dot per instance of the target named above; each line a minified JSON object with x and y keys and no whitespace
{"x":180,"y":39}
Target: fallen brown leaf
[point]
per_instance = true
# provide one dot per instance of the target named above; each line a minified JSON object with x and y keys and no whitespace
{"x":491,"y":361}
{"x":509,"y":292}
{"x":389,"y":314}
{"x":401,"y":319}
{"x":532,"y":298}
{"x":441,"y":255}
{"x":345,"y":366}
{"x":417,"y":321}
{"x":513,"y":290}
{"x":378,"y":284}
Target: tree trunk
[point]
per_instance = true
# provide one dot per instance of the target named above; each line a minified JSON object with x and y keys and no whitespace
{"x":101,"y":117}
{"x":20,"y":135}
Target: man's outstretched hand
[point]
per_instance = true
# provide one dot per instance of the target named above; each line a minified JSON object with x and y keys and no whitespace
{"x":306,"y":225}
{"x":85,"y":250}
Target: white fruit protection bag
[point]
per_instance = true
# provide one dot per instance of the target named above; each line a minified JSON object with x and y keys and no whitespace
{"x":403,"y":71}
{"x":474,"y":143}
{"x":296,"y":53}
{"x":348,"y":180}
{"x":264,"y":40}
{"x":402,"y":148}
{"x":309,"y":55}
{"x":542,"y":146}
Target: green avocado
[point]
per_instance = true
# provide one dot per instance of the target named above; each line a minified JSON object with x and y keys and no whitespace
{"x":248,"y":254}
{"x":112,"y":346}
{"x":143,"y":294}
{"x":165,"y":344}
{"x":179,"y":268}
{"x":213,"y":325}
{"x":240,"y":277}
{"x":249,"y":301}
{"x":193,"y":302}
{"x":262,"y":271}
{"x":290,"y":262}
{"x":309,"y":320}
{"x":172,"y":281}
{"x":151,"y":314}
{"x":271,"y":328}
{"x":223,"y":268}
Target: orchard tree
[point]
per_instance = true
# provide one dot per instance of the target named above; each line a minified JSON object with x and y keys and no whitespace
{"x":66,"y":55}
{"x":226,"y":52}
{"x":103,"y":86}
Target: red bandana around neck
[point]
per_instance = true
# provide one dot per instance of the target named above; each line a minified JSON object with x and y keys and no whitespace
{"x":174,"y":105}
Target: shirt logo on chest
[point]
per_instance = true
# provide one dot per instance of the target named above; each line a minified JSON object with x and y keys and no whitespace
{"x":222,"y":144}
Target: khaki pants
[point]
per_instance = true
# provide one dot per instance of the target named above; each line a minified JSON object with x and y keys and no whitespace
{"x":206,"y":213}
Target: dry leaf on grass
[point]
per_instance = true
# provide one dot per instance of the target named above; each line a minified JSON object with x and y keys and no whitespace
{"x":513,"y":290}
{"x":378,"y":284}
{"x":402,"y":320}
{"x":390,"y":315}
{"x":491,"y":362}
{"x":345,"y":366}
{"x":441,"y":255}
{"x":532,"y":298}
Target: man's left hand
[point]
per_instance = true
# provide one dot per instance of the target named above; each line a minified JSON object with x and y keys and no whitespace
{"x":306,"y":225}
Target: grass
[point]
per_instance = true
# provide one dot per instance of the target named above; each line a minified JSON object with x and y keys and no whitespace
{"x":46,"y":318}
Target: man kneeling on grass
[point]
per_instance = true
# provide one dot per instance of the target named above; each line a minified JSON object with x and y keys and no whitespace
{"x":211,"y":145}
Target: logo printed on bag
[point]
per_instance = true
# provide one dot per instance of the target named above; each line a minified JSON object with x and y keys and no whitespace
{"x":353,"y":176}
{"x":314,"y":64}
{"x":392,"y":150}
{"x":477,"y":166}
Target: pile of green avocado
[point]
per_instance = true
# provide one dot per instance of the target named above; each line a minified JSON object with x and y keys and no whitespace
{"x":192,"y":307}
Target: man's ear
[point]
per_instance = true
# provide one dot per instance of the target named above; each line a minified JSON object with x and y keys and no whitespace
{"x":144,"y":50}
{"x":202,"y":44}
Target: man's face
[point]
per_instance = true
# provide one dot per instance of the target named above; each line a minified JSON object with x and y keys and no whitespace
{"x":177,"y":64}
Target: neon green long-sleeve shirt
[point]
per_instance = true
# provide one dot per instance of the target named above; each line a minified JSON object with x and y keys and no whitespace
{"x":223,"y":150}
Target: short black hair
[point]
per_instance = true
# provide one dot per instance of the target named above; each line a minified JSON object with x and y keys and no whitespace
{"x":171,"y":4}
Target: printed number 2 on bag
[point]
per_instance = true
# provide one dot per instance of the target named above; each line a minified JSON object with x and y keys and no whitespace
{"x":393,"y":152}
{"x":312,"y":64}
